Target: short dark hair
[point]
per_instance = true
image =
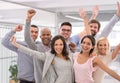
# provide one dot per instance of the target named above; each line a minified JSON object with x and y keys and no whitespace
{"x":95,"y":21}
{"x":67,"y":24}
{"x":34,"y":26}
{"x":92,"y":41}
{"x":64,"y":52}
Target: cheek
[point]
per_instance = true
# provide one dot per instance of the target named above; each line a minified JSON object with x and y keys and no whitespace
{"x":107,"y":48}
{"x":36,"y":34}
{"x":98,"y":47}
{"x":70,"y":33}
{"x":96,"y":30}
{"x":61,"y":31}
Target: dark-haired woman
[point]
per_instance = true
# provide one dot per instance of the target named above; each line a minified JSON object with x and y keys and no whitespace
{"x":85,"y":64}
{"x":58,"y":65}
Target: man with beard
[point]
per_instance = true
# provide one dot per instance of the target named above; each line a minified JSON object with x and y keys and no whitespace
{"x":66,"y":31}
{"x":94,"y":26}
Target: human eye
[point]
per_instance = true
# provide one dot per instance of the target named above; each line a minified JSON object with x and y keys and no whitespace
{"x":48,"y":34}
{"x":100,"y":44}
{"x":55,"y":44}
{"x":88,"y":43}
{"x":61,"y":44}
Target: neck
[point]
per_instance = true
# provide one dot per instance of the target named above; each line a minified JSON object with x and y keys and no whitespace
{"x":59,"y":55}
{"x":66,"y":40}
{"x":103,"y":54}
{"x":48,"y":45}
{"x":85,"y":54}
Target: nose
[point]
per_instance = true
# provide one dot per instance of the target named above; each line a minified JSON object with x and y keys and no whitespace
{"x":34,"y":33}
{"x":65,"y":31}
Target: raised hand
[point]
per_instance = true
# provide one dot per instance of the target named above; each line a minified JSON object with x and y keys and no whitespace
{"x":18,"y":28}
{"x":72,"y":46}
{"x":30,"y":14}
{"x":118,"y":10}
{"x":82,"y":13}
{"x":95,"y":12}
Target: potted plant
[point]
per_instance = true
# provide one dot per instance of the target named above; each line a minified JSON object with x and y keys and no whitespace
{"x":14,"y":71}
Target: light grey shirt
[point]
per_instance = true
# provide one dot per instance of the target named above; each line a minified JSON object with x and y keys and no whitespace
{"x":63,"y":69}
{"x":49,"y":75}
{"x":25,"y":62}
{"x":38,"y":64}
{"x":108,"y":28}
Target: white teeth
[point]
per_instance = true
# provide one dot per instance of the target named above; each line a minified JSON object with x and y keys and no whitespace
{"x":85,"y":48}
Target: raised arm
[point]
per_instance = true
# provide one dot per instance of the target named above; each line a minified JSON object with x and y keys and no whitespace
{"x":6,"y":39}
{"x":116,"y":51}
{"x":83,"y":15}
{"x":108,"y":28}
{"x":105,"y":68}
{"x":27,"y":36}
{"x":28,"y":51}
{"x":95,"y":12}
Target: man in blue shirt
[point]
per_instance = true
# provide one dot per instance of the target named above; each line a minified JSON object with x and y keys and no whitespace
{"x":25,"y":62}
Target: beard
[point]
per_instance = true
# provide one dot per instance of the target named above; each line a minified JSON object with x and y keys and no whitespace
{"x":93,"y":33}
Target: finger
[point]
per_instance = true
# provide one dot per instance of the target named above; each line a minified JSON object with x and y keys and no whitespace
{"x":118,"y":4}
{"x":31,"y":11}
{"x":20,"y":27}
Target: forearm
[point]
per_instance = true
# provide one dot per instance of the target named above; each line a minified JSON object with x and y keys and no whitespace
{"x":27,"y":36}
{"x":87,"y":28}
{"x":30,"y":52}
{"x":93,"y":17}
{"x":7,"y":37}
{"x":114,"y":74}
{"x":107,"y":69}
{"x":108,"y":28}
{"x":116,"y":51}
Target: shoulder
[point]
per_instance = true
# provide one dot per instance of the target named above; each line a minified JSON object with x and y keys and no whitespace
{"x":75,"y":55}
{"x":75,"y":37}
{"x":95,"y":59}
{"x":38,"y":42}
{"x":49,"y":54}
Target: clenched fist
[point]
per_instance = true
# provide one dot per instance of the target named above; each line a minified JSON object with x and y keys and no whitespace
{"x":30,"y":14}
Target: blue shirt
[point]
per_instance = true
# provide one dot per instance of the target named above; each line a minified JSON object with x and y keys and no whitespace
{"x":25,"y":62}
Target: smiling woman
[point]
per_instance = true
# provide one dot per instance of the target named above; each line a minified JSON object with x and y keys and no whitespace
{"x":85,"y":64}
{"x":103,"y":52}
{"x":51,"y":13}
{"x":58,"y":65}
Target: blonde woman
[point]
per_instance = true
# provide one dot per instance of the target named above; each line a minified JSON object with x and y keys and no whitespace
{"x":103,"y":52}
{"x":85,"y":65}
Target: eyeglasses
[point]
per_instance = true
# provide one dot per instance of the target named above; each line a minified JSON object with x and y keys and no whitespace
{"x":67,"y":30}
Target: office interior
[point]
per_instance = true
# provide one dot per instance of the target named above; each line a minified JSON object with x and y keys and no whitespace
{"x":51,"y":13}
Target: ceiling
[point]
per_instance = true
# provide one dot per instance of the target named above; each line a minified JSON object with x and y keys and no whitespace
{"x":61,"y":7}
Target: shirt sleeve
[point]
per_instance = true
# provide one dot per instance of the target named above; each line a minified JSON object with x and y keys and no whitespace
{"x":6,"y":41}
{"x":33,"y":53}
{"x":76,"y":39}
{"x":108,"y":28}
{"x":28,"y":38}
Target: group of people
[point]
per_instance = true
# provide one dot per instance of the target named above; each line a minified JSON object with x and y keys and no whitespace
{"x":56,"y":60}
